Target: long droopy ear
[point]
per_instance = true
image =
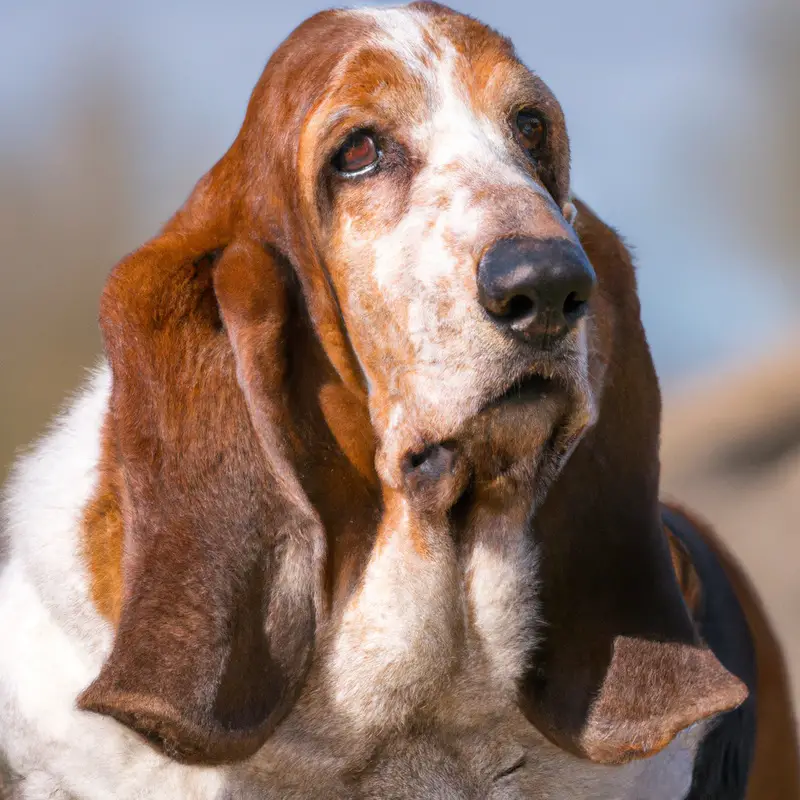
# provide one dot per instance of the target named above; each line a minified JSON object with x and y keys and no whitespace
{"x":621,"y":670}
{"x":223,"y":554}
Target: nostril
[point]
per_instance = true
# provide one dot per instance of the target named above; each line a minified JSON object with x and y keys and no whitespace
{"x":519,"y":306}
{"x":574,"y":307}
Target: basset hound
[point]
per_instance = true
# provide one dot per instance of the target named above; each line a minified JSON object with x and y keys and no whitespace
{"x":363,"y":502}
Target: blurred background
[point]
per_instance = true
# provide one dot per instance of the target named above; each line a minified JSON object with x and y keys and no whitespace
{"x":684,"y":120}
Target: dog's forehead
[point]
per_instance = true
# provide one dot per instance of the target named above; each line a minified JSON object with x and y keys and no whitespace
{"x":448,"y":82}
{"x":406,"y":32}
{"x":437,"y":49}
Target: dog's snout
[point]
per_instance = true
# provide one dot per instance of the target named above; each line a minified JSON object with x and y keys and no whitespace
{"x":535,"y":287}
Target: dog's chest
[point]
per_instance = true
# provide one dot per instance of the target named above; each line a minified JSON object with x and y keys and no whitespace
{"x":428,"y":615}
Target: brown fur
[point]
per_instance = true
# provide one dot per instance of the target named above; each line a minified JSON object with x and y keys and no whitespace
{"x":103,"y":532}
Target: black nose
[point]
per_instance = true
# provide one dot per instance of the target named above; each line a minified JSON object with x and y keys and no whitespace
{"x":535,"y":287}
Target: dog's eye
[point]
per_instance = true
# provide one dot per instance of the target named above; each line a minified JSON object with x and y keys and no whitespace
{"x":531,"y":130}
{"x":358,"y":154}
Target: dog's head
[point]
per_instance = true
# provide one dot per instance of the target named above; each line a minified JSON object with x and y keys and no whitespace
{"x":434,"y":171}
{"x":378,"y":319}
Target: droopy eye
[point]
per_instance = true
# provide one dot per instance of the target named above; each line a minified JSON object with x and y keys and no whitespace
{"x":531,"y":130}
{"x":358,"y":154}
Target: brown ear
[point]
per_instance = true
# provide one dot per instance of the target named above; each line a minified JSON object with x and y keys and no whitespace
{"x":621,"y":670}
{"x":223,"y":554}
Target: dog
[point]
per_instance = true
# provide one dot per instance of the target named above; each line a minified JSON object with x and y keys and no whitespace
{"x":363,"y":500}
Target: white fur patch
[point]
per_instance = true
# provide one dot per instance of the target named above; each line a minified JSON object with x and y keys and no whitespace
{"x":396,"y":642}
{"x":668,"y":775}
{"x":54,"y":641}
{"x":502,"y":588}
{"x":665,"y":776}
{"x":400,"y":30}
{"x":452,"y":136}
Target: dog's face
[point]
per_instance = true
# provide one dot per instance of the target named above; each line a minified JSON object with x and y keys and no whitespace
{"x":438,"y":193}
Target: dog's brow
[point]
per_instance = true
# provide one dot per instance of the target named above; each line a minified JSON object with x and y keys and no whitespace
{"x":402,"y":31}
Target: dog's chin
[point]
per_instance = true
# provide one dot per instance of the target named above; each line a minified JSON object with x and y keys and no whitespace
{"x":515,"y":439}
{"x":509,"y":437}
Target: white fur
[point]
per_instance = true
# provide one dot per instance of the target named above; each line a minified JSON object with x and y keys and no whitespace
{"x":54,"y":641}
{"x":396,"y":642}
{"x":399,"y":30}
{"x":668,"y":776}
{"x":504,"y":606}
{"x":452,"y":135}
